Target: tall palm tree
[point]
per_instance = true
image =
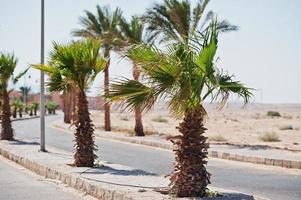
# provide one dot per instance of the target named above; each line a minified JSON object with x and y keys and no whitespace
{"x":76,"y":65}
{"x":185,"y":76}
{"x":25,"y":92}
{"x":103,"y":26}
{"x":133,"y":32}
{"x":8,"y":63}
{"x":177,"y":20}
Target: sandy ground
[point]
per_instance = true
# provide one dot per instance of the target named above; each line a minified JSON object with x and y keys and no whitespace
{"x":233,"y":124}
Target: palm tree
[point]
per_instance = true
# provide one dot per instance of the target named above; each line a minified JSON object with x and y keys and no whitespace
{"x":133,"y":32}
{"x":185,"y":76}
{"x":20,"y":106}
{"x":25,"y":92}
{"x":34,"y":107}
{"x":8,"y":63}
{"x":14,"y":108}
{"x":77,"y":65}
{"x":175,"y":20}
{"x":103,"y":26}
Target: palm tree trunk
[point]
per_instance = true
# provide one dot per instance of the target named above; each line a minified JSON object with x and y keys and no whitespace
{"x":73,"y":110}
{"x":15,"y":112}
{"x":190,"y":177}
{"x":138,"y":113}
{"x":84,"y":156}
{"x":106,"y":91}
{"x":6,"y":128}
{"x":20,"y":114}
{"x":67,"y":117}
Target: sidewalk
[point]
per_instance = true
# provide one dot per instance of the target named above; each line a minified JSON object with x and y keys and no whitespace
{"x":253,"y":154}
{"x":108,"y":181}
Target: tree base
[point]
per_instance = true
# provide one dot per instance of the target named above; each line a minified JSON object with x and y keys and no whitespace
{"x":190,"y":177}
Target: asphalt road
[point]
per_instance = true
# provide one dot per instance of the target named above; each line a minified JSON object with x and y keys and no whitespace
{"x":17,"y":183}
{"x":270,"y":182}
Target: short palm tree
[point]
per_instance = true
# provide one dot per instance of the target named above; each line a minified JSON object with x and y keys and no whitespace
{"x":35,"y":107}
{"x":14,"y":108}
{"x":103,"y":26}
{"x":185,"y":76}
{"x":133,"y":32}
{"x":25,"y":92}
{"x":8,"y":63}
{"x":76,"y":65}
{"x":20,"y":106}
{"x":176,"y":20}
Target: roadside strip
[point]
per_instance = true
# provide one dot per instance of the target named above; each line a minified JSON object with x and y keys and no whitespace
{"x":107,"y":181}
{"x":294,"y":164}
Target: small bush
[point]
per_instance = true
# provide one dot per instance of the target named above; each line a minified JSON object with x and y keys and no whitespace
{"x":269,"y":137}
{"x":286,"y":127}
{"x":217,"y":138}
{"x":287,"y":117}
{"x":273,"y":114}
{"x":125,"y":119}
{"x":212,"y":194}
{"x":160,"y":119}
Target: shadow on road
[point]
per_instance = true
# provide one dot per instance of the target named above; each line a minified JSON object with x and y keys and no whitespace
{"x":113,"y":171}
{"x":230,"y":196}
{"x":20,"y":142}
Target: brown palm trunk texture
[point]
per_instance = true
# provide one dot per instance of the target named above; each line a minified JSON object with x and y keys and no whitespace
{"x":66,"y":101}
{"x":74,"y":103}
{"x":6,"y":128}
{"x":138,"y":113}
{"x":190,"y":177}
{"x":84,"y":136}
{"x":106,"y":91}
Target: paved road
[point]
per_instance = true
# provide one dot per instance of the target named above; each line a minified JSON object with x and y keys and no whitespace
{"x":17,"y":183}
{"x":271,"y":182}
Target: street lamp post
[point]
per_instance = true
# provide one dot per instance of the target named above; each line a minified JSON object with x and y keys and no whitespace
{"x":42,"y":95}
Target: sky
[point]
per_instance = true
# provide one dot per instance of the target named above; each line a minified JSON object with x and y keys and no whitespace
{"x":264,"y":54}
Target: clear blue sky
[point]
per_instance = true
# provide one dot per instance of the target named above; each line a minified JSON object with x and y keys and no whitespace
{"x":265,"y":52}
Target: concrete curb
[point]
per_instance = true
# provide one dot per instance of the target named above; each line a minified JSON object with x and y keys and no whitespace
{"x":71,"y":180}
{"x":24,"y":118}
{"x":214,"y":154}
{"x":99,"y":191}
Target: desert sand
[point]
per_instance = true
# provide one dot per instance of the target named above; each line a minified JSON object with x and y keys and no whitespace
{"x":234,"y":124}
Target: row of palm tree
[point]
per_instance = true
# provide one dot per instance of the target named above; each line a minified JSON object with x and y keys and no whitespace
{"x":183,"y":73}
{"x":170,"y":21}
{"x":17,"y":107}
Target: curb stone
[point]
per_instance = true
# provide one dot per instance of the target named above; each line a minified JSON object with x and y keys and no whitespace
{"x":214,"y":154}
{"x":71,"y":180}
{"x":103,"y":192}
{"x":24,"y":118}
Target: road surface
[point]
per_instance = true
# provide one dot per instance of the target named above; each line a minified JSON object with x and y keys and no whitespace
{"x":270,"y":182}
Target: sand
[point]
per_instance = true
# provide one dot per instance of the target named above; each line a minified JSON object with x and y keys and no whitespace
{"x":233,"y":124}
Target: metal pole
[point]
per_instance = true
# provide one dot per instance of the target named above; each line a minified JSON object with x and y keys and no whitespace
{"x":42,"y":95}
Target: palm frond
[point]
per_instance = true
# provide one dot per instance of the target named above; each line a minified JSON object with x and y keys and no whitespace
{"x":227,"y":85}
{"x":8,"y":63}
{"x":22,"y":73}
{"x":133,"y":94}
{"x":183,"y":74}
{"x":104,"y":25}
{"x":73,"y":64}
{"x":197,"y":14}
